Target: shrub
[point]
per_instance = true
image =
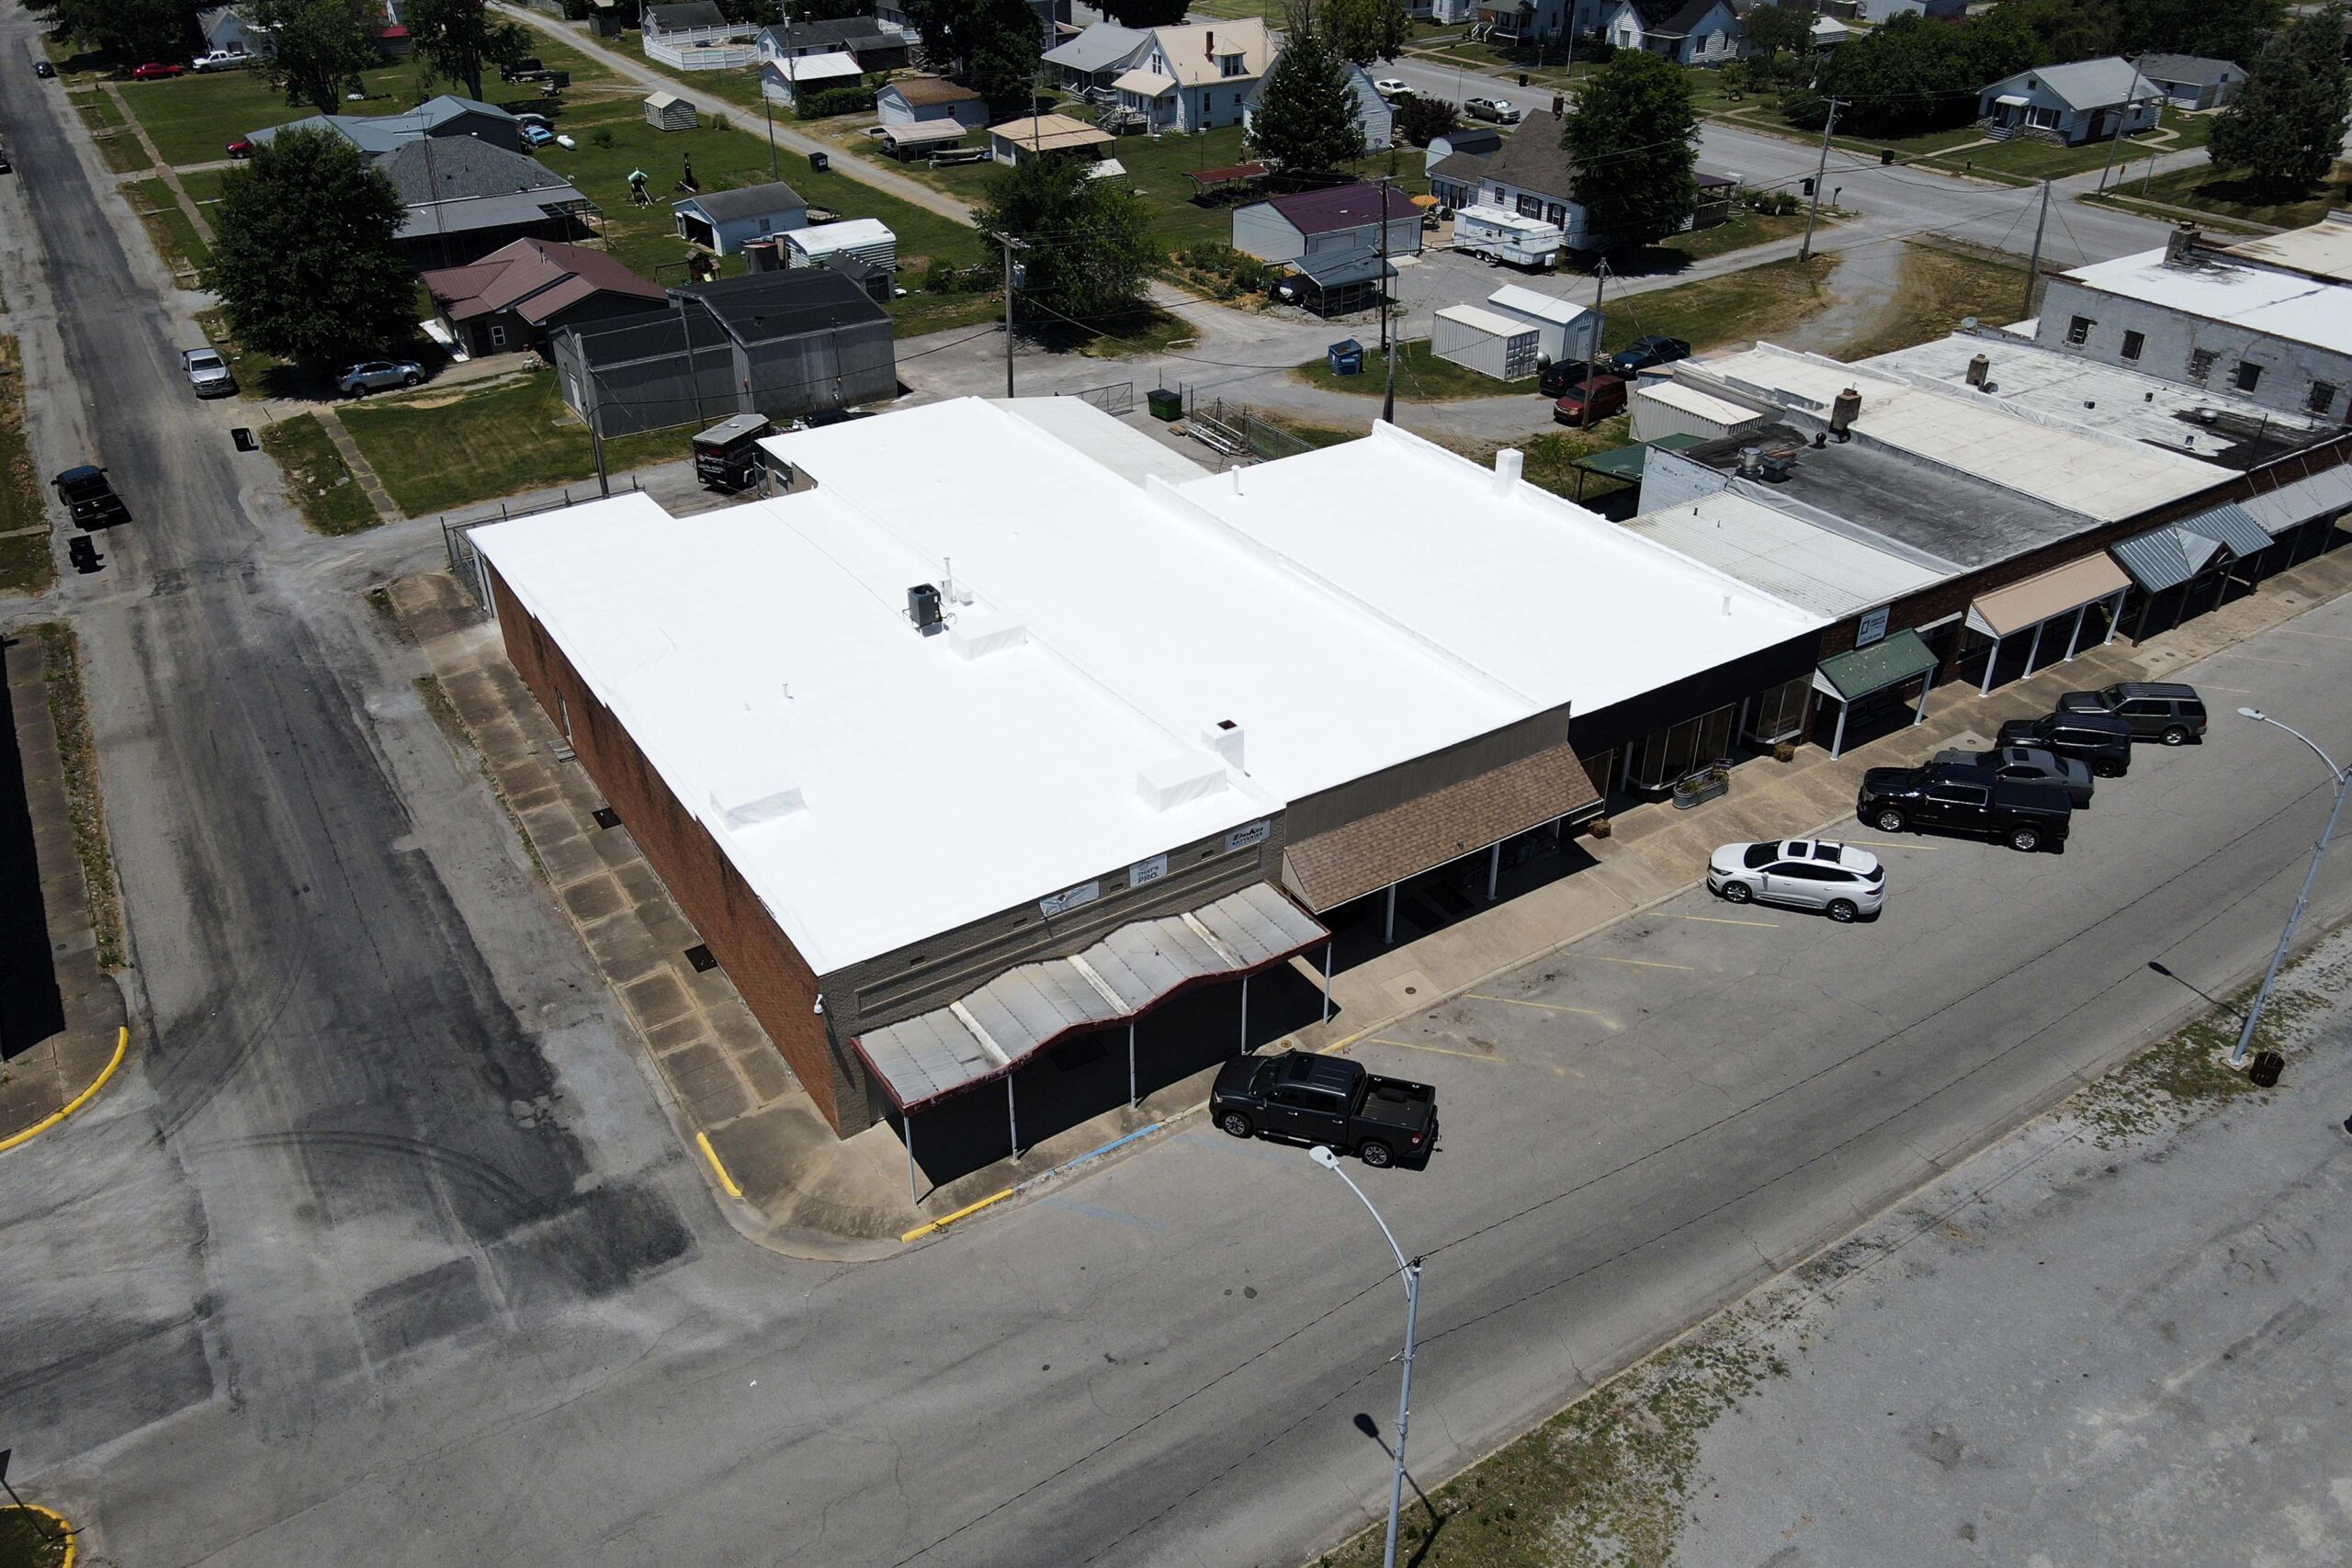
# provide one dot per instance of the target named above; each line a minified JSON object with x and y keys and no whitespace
{"x":1420,"y":120}
{"x":832,"y":101}
{"x":601,"y":136}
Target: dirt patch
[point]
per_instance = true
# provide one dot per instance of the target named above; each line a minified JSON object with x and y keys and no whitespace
{"x":78,"y":758}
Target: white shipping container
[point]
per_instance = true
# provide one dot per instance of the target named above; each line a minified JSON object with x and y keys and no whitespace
{"x":1482,"y":340}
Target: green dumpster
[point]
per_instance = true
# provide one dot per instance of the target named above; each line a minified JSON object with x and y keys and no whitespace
{"x":1165,"y":403}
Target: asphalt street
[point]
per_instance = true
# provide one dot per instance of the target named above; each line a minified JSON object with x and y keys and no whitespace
{"x":386,"y":1252}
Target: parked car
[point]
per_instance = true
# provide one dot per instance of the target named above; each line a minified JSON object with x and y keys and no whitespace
{"x":242,"y":147}
{"x":1302,"y":1098}
{"x":1390,"y":87}
{"x":2101,"y":741}
{"x":86,"y":495}
{"x":1589,"y":400}
{"x":1555,"y":380}
{"x":535,"y":135}
{"x":208,"y":372}
{"x":44,"y":70}
{"x":2157,"y":710}
{"x":1944,"y":797}
{"x":156,"y":71}
{"x":1842,"y":881}
{"x":219,"y":59}
{"x":375,"y":375}
{"x":1503,"y":111}
{"x":5,"y":166}
{"x":2030,"y":764}
{"x":1645,"y":352}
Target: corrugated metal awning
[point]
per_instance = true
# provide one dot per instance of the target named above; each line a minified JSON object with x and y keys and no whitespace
{"x":2326,"y":492}
{"x":993,"y":1030}
{"x":923,"y":132}
{"x":2166,"y":556}
{"x":1462,"y":819}
{"x":1859,"y":672}
{"x":2057,"y":591}
{"x":2228,"y":524}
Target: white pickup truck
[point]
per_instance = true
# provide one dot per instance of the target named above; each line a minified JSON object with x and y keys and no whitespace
{"x":208,"y":372}
{"x":220,"y":59}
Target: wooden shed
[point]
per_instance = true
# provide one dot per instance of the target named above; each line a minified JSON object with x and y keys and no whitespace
{"x":667,"y":111}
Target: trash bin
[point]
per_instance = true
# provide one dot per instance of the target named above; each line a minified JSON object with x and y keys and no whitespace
{"x":1164,"y":402}
{"x":1347,"y":358}
{"x":1522,"y":78}
{"x":1886,"y":155}
{"x":2268,"y":1066}
{"x":821,"y":161}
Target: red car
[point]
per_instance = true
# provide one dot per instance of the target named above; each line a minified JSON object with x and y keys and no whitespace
{"x":1593,"y":400}
{"x":240,"y":147}
{"x":156,"y":71}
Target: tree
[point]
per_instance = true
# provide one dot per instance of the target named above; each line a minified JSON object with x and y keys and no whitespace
{"x":129,"y":31}
{"x":303,"y":258}
{"x":1634,"y":141}
{"x":1420,"y":120}
{"x":1771,"y":28}
{"x":1140,"y":13}
{"x":317,"y":48}
{"x":2065,"y":29}
{"x":1002,"y":63}
{"x":456,"y":40}
{"x":2219,"y":30}
{"x":1305,"y":121}
{"x":1090,"y":249}
{"x":1913,"y":74}
{"x":1366,"y":30}
{"x":2285,"y":127}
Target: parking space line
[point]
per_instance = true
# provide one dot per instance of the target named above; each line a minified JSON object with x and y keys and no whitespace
{"x":1442,"y":1050}
{"x":1636,"y":962}
{"x":1889,"y":844}
{"x":1719,"y":920}
{"x":1547,"y":1007}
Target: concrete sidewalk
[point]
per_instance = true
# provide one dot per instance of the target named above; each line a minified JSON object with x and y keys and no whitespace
{"x":795,"y":1187}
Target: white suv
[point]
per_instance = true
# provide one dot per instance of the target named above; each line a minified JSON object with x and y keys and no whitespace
{"x":1810,"y":873}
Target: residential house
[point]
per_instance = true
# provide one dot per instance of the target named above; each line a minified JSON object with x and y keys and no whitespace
{"x":928,"y":100}
{"x":1089,"y":62}
{"x":2071,"y":103}
{"x":446,"y":118}
{"x":874,"y":46}
{"x":1375,"y":117}
{"x":784,"y":81}
{"x":1877,"y":12}
{"x":229,"y":29}
{"x":1194,"y":78}
{"x":2191,"y":80}
{"x":1475,"y":140}
{"x":1053,"y":20}
{"x":693,"y":24}
{"x":1334,"y":221}
{"x":781,"y":343}
{"x":1531,"y":179}
{"x":1689,"y":32}
{"x":2269,"y":319}
{"x":514,"y":297}
{"x":1038,"y":135}
{"x":723,"y":221}
{"x":466,"y":198}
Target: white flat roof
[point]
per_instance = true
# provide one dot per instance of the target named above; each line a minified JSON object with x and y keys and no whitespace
{"x":1118,"y":446}
{"x":1487,"y":321}
{"x":2094,"y":474}
{"x":1534,"y":592}
{"x":1180,"y":618}
{"x":873,"y":785}
{"x":1529,"y":302}
{"x":2324,"y":249}
{"x":1808,"y":563}
{"x":815,"y":67}
{"x":843,"y":234}
{"x":2281,"y":304}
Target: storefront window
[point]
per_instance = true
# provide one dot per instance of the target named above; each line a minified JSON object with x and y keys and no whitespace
{"x":1777,"y":713}
{"x":1665,"y":757}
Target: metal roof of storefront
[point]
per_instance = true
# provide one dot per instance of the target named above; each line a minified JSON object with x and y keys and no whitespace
{"x":1856,"y":673}
{"x":1626,"y":462}
{"x":2328,"y":491}
{"x":2060,"y":590}
{"x":2166,"y":556}
{"x":992,"y":1029}
{"x":2228,"y":524}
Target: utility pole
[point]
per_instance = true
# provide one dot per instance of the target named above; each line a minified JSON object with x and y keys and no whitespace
{"x":2122,"y":120}
{"x":2033,"y":266}
{"x":1592,"y":355}
{"x":1011,"y":244}
{"x":1820,"y":173}
{"x":767,"y":107}
{"x":1387,"y":347}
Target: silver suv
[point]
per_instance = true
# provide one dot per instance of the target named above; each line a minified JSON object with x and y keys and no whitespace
{"x":1810,"y":873}
{"x":375,"y":375}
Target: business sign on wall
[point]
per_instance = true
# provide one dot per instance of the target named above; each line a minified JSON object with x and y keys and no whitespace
{"x":1145,"y":871}
{"x":1256,"y":832}
{"x":1873,"y":627}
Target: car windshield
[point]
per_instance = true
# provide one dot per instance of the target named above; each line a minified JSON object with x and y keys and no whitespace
{"x":1876,"y":874}
{"x":1759,"y":856}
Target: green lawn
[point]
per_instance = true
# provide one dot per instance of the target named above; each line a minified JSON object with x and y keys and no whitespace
{"x":2024,"y":159}
{"x":317,"y":480}
{"x":1743,"y":228}
{"x":434,"y":453}
{"x":30,"y":1540}
{"x":176,"y":239}
{"x":1738,"y":307}
{"x":1421,"y":378}
{"x":2226,"y":194}
{"x":111,"y":131}
{"x":23,"y":522}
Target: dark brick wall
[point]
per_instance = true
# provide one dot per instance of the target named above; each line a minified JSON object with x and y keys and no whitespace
{"x":776,"y":984}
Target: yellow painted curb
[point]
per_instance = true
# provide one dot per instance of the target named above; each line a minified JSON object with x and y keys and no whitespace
{"x":942,"y":1222}
{"x":121,"y":1048}
{"x":718,"y":1164}
{"x":73,"y":1545}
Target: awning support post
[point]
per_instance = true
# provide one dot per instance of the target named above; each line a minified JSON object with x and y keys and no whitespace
{"x":1326,"y":980}
{"x":2081,"y":613}
{"x":2034,"y":651}
{"x":1494,"y":870}
{"x":1012,"y":1116}
{"x":1926,"y":685}
{"x":1245,"y":1015}
{"x":1991,"y":659}
{"x":1838,"y":740}
{"x":2114,"y":617}
{"x":1133,"y":1098}
{"x":907,"y":1125}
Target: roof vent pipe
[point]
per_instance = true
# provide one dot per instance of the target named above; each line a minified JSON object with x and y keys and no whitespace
{"x":1727,"y":604}
{"x":1978,"y":368}
{"x":1844,"y":410}
{"x":1751,"y":462}
{"x":1236,"y":472}
{"x":1224,"y":737}
{"x":1510,"y":464}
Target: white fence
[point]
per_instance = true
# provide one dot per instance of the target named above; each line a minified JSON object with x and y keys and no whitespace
{"x":702,"y":56}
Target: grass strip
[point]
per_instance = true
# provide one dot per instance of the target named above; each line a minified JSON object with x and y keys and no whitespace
{"x":25,"y":563}
{"x":435,"y":452}
{"x":1421,"y":376}
{"x":169,"y":229}
{"x":318,"y":480}
{"x":30,"y":1540}
{"x":1939,"y":286}
{"x":77,"y":755}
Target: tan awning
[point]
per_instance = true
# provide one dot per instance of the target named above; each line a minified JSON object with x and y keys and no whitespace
{"x":923,"y":132}
{"x":1372,"y":851}
{"x":1144,"y":84}
{"x":2023,"y":606}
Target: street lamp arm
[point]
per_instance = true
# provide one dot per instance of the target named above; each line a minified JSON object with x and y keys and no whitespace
{"x":1390,"y":1236}
{"x":2307,"y":740}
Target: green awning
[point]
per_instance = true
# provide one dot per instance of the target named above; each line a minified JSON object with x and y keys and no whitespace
{"x":1626,"y":462}
{"x":1855,"y":674}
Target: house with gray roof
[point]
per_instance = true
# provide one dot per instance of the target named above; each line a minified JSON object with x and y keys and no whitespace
{"x":1095,"y":58}
{"x":466,"y":198}
{"x":2071,"y":103}
{"x":446,"y":116}
{"x":2192,"y":81}
{"x":695,"y":22}
{"x":723,"y":222}
{"x":1375,"y":117}
{"x":1689,"y":32}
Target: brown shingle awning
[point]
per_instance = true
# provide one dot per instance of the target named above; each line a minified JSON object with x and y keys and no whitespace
{"x":1462,"y":819}
{"x":2022,"y":606}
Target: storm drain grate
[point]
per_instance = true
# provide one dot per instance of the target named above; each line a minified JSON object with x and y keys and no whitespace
{"x":699,"y":956}
{"x":608,"y":818}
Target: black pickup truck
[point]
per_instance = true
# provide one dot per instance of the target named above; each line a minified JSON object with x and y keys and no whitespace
{"x":89,"y":498}
{"x":1956,"y":798}
{"x":1300,"y":1098}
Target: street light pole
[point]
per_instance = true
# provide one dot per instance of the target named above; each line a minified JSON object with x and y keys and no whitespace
{"x":1820,"y":174}
{"x":1411,"y":1267}
{"x":2343,"y":777}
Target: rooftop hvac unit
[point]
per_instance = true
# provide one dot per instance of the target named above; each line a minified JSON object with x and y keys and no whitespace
{"x":922,"y":607}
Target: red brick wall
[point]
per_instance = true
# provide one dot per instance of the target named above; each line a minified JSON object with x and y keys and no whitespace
{"x":776,"y":984}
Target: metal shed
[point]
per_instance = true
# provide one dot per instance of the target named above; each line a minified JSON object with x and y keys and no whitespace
{"x":1669,"y":408}
{"x":868,"y":239}
{"x":1497,"y":345}
{"x":667,"y":111}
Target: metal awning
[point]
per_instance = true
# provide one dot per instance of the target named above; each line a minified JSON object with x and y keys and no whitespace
{"x":2166,"y":556}
{"x":1144,"y":84}
{"x":2228,"y":524}
{"x":2316,"y":495}
{"x":2058,"y":592}
{"x":991,"y":1031}
{"x":2014,"y":100}
{"x":1338,"y":271}
{"x":1626,"y":462}
{"x":1363,"y":856}
{"x":924,"y":131}
{"x":1858,"y":673}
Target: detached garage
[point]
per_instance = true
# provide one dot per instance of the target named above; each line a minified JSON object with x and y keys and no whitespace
{"x":1493,"y":345}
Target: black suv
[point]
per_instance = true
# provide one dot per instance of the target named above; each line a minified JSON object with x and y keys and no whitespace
{"x":1957,"y":799}
{"x":1563,"y":374}
{"x":2157,"y":710}
{"x":2101,"y":740}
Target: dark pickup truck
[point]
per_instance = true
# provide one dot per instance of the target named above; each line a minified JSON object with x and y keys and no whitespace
{"x":1953,"y":798}
{"x":1300,"y":1098}
{"x":89,"y":498}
